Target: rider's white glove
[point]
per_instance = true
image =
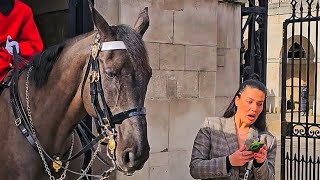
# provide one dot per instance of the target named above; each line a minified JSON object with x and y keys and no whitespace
{"x":10,"y":44}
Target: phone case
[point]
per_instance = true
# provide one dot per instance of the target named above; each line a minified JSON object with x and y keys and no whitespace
{"x":255,"y":146}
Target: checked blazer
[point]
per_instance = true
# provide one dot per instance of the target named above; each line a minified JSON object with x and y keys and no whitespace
{"x":216,"y":140}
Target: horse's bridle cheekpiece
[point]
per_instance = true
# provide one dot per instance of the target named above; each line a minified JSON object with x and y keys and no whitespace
{"x":105,"y":121}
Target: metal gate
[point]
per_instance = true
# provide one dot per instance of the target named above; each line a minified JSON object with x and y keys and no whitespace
{"x":300,"y":123}
{"x":253,"y":53}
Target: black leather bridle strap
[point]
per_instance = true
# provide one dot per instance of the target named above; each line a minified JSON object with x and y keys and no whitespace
{"x":118,"y":118}
{"x":92,"y":63}
{"x":21,"y":118}
{"x":85,"y":131}
{"x":87,"y":147}
{"x":96,"y":91}
{"x":88,"y":131}
{"x":85,"y":77}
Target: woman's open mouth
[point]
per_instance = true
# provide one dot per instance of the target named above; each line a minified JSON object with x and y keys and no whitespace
{"x":251,"y":117}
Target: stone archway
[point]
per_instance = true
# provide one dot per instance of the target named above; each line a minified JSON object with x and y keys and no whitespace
{"x":297,"y":69}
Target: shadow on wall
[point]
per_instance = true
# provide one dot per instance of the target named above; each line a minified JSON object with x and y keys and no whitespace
{"x":221,"y":105}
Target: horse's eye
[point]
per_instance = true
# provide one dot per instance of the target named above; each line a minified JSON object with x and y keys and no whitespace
{"x":110,"y":75}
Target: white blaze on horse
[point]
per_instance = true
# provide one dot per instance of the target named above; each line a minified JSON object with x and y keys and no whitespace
{"x":105,"y":74}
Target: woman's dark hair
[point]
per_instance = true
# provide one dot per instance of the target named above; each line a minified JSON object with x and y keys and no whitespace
{"x":260,"y":123}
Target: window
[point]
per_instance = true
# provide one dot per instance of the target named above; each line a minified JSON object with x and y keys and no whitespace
{"x":296,"y":51}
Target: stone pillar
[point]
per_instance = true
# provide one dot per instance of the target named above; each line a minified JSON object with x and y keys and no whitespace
{"x":274,"y":63}
{"x":228,"y":53}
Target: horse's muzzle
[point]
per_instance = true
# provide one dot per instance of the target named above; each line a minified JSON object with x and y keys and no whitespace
{"x":133,"y":160}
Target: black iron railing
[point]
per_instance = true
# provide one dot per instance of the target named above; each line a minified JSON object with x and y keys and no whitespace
{"x":300,"y":131}
{"x":253,"y":54}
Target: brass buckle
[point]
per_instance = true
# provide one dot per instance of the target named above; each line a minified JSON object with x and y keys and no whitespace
{"x":94,"y":51}
{"x":95,"y":76}
{"x":57,"y":164}
{"x":111,"y":144}
{"x":95,"y":47}
{"x":17,"y":122}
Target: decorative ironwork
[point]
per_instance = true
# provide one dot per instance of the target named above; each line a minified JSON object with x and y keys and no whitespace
{"x":293,"y":4}
{"x":310,"y":130}
{"x":253,"y":57}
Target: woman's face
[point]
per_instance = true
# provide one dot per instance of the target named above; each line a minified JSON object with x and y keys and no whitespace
{"x":249,"y":104}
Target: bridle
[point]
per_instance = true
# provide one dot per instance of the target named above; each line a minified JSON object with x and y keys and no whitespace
{"x":105,"y":121}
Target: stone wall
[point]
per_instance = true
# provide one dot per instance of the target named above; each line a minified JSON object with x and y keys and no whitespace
{"x":194,"y":51}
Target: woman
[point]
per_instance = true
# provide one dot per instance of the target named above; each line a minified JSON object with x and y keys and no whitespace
{"x":220,"y":150}
{"x":17,"y":29}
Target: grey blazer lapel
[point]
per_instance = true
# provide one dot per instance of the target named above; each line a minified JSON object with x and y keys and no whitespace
{"x":230,"y":133}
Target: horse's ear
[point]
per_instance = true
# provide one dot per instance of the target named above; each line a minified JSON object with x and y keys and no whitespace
{"x":142,"y":23}
{"x":100,"y":23}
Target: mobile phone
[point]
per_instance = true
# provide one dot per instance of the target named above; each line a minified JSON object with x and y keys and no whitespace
{"x":255,"y":146}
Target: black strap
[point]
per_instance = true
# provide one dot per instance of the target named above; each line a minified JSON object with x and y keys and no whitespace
{"x":118,"y":118}
{"x":85,"y":76}
{"x":84,"y":131}
{"x":87,"y":147}
{"x":21,"y":118}
{"x":88,"y":131}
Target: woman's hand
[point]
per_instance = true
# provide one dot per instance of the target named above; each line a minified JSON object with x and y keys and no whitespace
{"x":261,"y":156}
{"x":240,"y":157}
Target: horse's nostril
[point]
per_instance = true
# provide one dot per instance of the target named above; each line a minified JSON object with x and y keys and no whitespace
{"x":128,"y":158}
{"x":131,"y":159}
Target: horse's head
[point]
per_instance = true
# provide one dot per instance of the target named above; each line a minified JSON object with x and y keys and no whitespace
{"x":124,"y":75}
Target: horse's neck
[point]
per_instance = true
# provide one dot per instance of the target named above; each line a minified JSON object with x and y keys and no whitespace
{"x":57,"y":106}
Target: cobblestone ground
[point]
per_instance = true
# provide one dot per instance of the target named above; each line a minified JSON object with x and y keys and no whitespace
{"x":274,"y":126}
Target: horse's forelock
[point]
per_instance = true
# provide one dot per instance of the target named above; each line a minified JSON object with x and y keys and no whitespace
{"x":135,"y":46}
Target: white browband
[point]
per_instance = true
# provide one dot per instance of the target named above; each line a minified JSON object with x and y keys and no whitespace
{"x":113,"y":45}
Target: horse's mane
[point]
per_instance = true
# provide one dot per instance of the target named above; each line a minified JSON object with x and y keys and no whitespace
{"x":42,"y":63}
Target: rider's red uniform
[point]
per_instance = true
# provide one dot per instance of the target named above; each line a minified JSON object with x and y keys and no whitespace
{"x":19,"y":24}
